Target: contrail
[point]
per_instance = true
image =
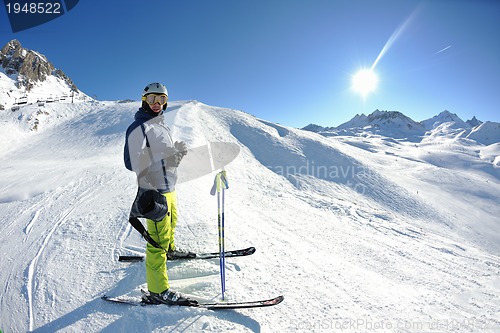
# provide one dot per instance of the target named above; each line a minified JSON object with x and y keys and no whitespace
{"x":446,"y":48}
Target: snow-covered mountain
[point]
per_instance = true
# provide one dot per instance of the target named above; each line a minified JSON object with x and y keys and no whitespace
{"x":28,"y":77}
{"x":487,"y":133}
{"x":389,"y":123}
{"x":356,"y":232}
{"x":394,"y":124}
{"x":445,"y":117}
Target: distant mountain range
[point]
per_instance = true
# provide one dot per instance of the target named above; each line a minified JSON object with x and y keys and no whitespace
{"x":27,"y":77}
{"x":396,"y":125}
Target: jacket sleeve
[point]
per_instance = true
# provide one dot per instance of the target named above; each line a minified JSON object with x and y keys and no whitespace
{"x":134,"y":155}
{"x":126,"y":153}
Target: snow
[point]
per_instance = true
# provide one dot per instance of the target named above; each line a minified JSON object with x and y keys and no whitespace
{"x":486,"y":133}
{"x":358,"y":232}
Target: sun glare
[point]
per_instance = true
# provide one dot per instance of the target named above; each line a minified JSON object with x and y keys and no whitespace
{"x":364,"y":82}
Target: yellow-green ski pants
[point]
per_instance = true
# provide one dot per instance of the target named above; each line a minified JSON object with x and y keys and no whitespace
{"x":156,"y":259}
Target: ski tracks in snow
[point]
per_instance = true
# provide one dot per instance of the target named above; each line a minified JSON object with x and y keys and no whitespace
{"x":59,"y":220}
{"x":28,"y":228}
{"x":33,"y":264}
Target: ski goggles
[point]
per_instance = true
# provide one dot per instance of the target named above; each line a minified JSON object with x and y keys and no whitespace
{"x":155,"y":98}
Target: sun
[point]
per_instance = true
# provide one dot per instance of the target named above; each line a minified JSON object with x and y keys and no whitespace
{"x":364,"y":82}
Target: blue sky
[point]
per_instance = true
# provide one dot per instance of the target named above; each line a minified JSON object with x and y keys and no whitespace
{"x":289,"y":61}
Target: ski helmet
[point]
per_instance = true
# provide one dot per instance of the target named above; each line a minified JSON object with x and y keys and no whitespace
{"x":155,"y":88}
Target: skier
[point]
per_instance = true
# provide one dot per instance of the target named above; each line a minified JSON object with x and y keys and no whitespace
{"x":152,"y":154}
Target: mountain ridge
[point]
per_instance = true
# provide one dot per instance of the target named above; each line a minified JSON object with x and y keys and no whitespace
{"x":396,"y":124}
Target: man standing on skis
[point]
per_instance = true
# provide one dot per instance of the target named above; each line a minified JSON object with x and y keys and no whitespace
{"x":152,"y":154}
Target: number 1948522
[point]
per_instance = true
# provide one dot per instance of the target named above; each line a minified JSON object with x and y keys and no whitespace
{"x":33,"y":8}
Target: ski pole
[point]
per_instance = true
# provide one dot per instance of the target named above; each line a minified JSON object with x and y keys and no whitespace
{"x":221,"y":184}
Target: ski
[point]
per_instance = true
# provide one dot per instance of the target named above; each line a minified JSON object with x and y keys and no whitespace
{"x":228,"y":254}
{"x":210,"y":306}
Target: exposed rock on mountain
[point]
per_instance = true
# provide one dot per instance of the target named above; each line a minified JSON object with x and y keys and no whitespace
{"x":30,"y":66}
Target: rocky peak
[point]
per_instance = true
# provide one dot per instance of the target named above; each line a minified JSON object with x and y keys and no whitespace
{"x":381,"y":119}
{"x":474,"y":122}
{"x":11,"y":47}
{"x":30,"y":66}
{"x":313,"y":128}
{"x":386,"y":115}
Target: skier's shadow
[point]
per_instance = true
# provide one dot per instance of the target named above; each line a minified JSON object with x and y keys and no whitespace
{"x":144,"y":319}
{"x":185,"y":319}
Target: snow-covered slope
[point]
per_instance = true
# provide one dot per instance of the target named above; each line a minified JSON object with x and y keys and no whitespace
{"x":486,"y":133}
{"x":357,"y":232}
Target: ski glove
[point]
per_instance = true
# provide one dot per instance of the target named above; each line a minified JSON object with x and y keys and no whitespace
{"x":181,"y":150}
{"x":174,"y":160}
{"x":180,"y":147}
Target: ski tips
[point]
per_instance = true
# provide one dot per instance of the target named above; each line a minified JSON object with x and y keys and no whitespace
{"x":280,"y":299}
{"x":130,"y":258}
{"x":274,"y":301}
